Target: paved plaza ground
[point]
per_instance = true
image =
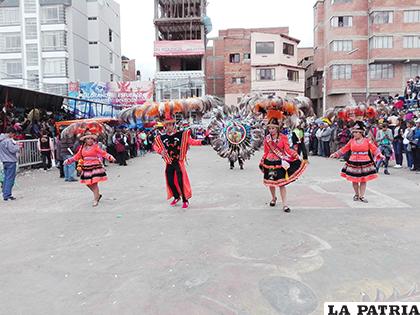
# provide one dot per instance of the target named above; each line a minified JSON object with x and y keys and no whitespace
{"x":229,"y":253}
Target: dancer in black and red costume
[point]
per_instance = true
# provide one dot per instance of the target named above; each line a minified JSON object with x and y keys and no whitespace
{"x":173,"y":146}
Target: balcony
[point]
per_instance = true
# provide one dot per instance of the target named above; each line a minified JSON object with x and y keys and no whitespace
{"x":179,"y":75}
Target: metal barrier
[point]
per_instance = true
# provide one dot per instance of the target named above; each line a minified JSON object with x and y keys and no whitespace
{"x":29,"y":153}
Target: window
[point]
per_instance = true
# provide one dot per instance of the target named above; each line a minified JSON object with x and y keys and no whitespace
{"x":111,"y":78}
{"x":341,"y":72}
{"x":33,"y":79}
{"x":264,"y":47}
{"x":381,"y":42}
{"x":381,"y":71}
{"x":110,"y":35}
{"x":92,"y":18}
{"x":31,"y":28}
{"x":94,"y":67}
{"x":10,"y":68}
{"x":292,"y":75}
{"x":240,"y":80}
{"x":247,"y":56}
{"x":111,"y":58}
{"x":93,"y":43}
{"x":9,"y":16}
{"x":32,"y":54}
{"x":60,"y":89}
{"x":266,"y":74}
{"x":382,"y":17}
{"x":10,"y":42}
{"x":412,"y":16}
{"x":412,"y":70}
{"x":411,"y":41}
{"x":341,"y":45}
{"x":54,"y":40}
{"x":234,"y":58}
{"x":342,"y":21}
{"x":55,"y":67}
{"x":288,"y":49}
{"x":30,"y":6}
{"x":52,"y":14}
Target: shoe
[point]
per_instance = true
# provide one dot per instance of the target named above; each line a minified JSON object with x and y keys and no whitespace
{"x":273,"y":202}
{"x":231,"y":167}
{"x":95,"y":203}
{"x":286,"y":209}
{"x":386,"y":172}
{"x":100,"y":197}
{"x":356,"y":198}
{"x":363,"y":199}
{"x":397,"y":166}
{"x":185,"y":205}
{"x":174,"y":202}
{"x":242,"y":167}
{"x":9,"y":198}
{"x":72,"y":180}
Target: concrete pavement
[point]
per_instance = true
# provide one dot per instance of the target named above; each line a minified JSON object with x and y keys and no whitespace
{"x":229,"y":253}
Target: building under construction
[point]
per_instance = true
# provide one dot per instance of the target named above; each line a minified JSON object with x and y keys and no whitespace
{"x":180,"y":45}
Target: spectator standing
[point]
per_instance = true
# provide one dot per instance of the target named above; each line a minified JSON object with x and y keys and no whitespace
{"x":9,"y":150}
{"x":46,"y":147}
{"x":68,"y":147}
{"x":120,"y":143}
{"x":416,"y":146}
{"x":326,"y":138}
{"x":384,"y":138}
{"x":397,"y":143}
{"x":408,"y":138}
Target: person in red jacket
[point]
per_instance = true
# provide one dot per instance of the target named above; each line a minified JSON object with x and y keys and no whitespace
{"x":280,"y":164}
{"x":173,"y":145}
{"x":89,"y":159}
{"x":360,"y":167}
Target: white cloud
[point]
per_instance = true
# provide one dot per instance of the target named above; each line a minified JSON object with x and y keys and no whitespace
{"x":138,"y":34}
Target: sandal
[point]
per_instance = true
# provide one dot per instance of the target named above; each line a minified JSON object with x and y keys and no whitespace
{"x":363,"y":199}
{"x":95,"y":203}
{"x":273,"y":202}
{"x":100,"y":197}
{"x":356,"y":198}
{"x":286,"y":209}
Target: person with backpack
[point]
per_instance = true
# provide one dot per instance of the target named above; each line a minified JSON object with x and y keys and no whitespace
{"x":384,"y":138}
{"x":120,"y":143}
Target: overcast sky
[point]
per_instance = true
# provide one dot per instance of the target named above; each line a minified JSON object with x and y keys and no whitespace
{"x":137,"y":28}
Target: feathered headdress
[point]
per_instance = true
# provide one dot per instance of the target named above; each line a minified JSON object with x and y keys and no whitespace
{"x":277,"y":110}
{"x":357,"y":113}
{"x":86,"y":128}
{"x":165,"y":111}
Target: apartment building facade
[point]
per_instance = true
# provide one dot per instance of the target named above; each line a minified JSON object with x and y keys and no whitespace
{"x":365,"y":48}
{"x":128,"y":69}
{"x":180,"y":45}
{"x":261,"y":60}
{"x":45,"y":44}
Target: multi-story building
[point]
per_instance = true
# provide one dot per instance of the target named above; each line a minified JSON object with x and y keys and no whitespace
{"x":45,"y":44}
{"x":365,"y":48}
{"x":128,"y":69}
{"x":312,"y":82}
{"x":181,"y":28}
{"x":261,"y":60}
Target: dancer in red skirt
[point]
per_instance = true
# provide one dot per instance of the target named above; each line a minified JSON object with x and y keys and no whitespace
{"x":89,"y":158}
{"x":280,"y":164}
{"x":360,"y":167}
